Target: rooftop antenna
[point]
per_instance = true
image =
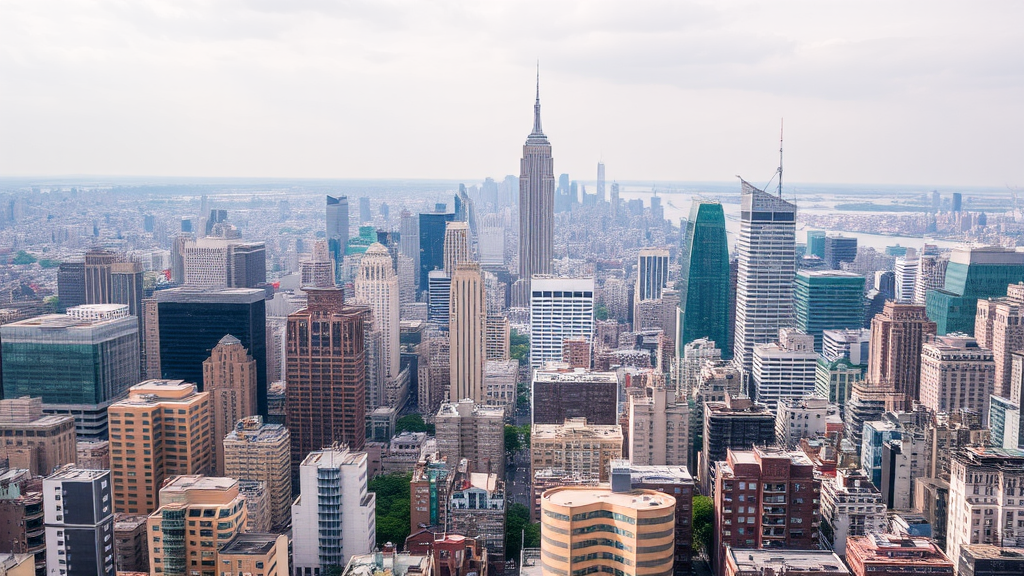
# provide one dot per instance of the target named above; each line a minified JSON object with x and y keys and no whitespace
{"x":781,"y":120}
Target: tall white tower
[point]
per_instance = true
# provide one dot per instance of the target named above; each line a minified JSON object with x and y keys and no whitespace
{"x":376,"y":286}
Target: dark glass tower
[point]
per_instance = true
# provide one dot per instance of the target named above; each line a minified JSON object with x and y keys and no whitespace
{"x":432,"y":227}
{"x":192,"y":322}
{"x":704,"y":283}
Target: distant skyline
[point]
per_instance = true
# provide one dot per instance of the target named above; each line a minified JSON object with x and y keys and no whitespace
{"x":872,"y":92}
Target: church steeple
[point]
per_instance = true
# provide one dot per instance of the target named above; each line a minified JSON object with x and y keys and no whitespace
{"x":538,"y":132}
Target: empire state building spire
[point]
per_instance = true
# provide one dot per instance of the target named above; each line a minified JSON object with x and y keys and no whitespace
{"x":536,"y":206}
{"x":537,"y":136}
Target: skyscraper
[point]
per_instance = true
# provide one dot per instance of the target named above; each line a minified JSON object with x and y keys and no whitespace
{"x":600,"y":182}
{"x":972,"y":273}
{"x":704,"y":282}
{"x":376,"y":286}
{"x":456,"y":246}
{"x":191,"y":322}
{"x":894,"y":360}
{"x":467,"y":329}
{"x":325,"y":398}
{"x":828,"y":300}
{"x":560,"y":308}
{"x":652,"y":273}
{"x":262,"y":452}
{"x":766,"y":251}
{"x":337,"y":229}
{"x":839,"y":249}
{"x":229,"y":375}
{"x":364,"y":210}
{"x":432,"y":229}
{"x":79,"y":515}
{"x":536,"y":201}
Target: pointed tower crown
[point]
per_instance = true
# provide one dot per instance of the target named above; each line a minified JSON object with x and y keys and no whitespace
{"x":537,"y":136}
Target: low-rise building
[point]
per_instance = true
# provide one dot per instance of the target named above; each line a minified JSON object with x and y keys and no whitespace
{"x":93,"y":454}
{"x":989,"y":560}
{"x":576,"y":446}
{"x":32,"y":441}
{"x":254,"y":554}
{"x":751,"y":562}
{"x":891,"y":555}
{"x":850,"y":506}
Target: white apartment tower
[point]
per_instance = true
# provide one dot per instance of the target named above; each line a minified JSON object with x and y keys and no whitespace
{"x":560,"y":309}
{"x":333,"y":519}
{"x":784,"y":369}
{"x":376,"y":286}
{"x":906,"y":278}
{"x":766,"y":257}
{"x":986,"y":499}
{"x":659,"y":428}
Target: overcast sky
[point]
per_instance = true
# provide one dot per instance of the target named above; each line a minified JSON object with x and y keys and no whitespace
{"x":928,"y":93}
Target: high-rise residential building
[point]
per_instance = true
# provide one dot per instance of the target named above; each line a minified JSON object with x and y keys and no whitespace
{"x":737,"y":423}
{"x":978,"y":492}
{"x":560,"y":308}
{"x":326,"y":374}
{"x":215,"y":263}
{"x":456,"y":246}
{"x":876,"y":434}
{"x":439,"y":295}
{"x":839,"y":249}
{"x":432,"y":227}
{"x":256,"y":554}
{"x":576,"y":446}
{"x":956,"y":374}
{"x":30,"y":440}
{"x":79,"y":518}
{"x":431,"y":482}
{"x":659,"y":428}
{"x":376,"y":286}
{"x":498,"y":340}
{"x":652,"y":273}
{"x":131,"y":543}
{"x":471,"y":431}
{"x":229,"y":376}
{"x":78,"y":362}
{"x":891,"y":554}
{"x":676,"y":481}
{"x":897,"y":337}
{"x":333,"y":519}
{"x":536,"y":202}
{"x":262,"y":452}
{"x":467,"y":322}
{"x":170,"y":420}
{"x":828,"y":300}
{"x":704,"y":280}
{"x":766,"y":253}
{"x":807,"y":417}
{"x":572,"y":514}
{"x":191,"y":322}
{"x":850,"y":506}
{"x":947,"y":433}
{"x":560,"y":392}
{"x":972,"y":273}
{"x":931,"y":275}
{"x":999,"y":327}
{"x":696,"y":354}
{"x":843,"y":362}
{"x":191,"y":498}
{"x":906,"y":277}
{"x":779,"y":508}
{"x":476,"y":508}
{"x":500,"y":389}
{"x":784,"y":369}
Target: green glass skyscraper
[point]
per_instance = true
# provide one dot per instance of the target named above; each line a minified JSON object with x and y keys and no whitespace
{"x":827,"y":300}
{"x":704,"y":285}
{"x":972,"y":273}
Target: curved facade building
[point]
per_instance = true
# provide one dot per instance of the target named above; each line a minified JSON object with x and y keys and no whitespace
{"x":587,"y":530}
{"x":704,"y":285}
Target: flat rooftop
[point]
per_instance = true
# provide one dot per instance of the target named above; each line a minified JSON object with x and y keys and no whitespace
{"x":584,"y":496}
{"x":77,"y":474}
{"x":251,"y":543}
{"x":660,"y":474}
{"x":822,"y":561}
{"x":196,"y":482}
{"x":580,"y":375}
{"x":992,"y":552}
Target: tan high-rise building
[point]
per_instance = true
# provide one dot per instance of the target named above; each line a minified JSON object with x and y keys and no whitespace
{"x":229,"y":376}
{"x":641,"y":542}
{"x":376,"y":286}
{"x":151,"y":330}
{"x":325,"y":394}
{"x":318,"y":271}
{"x":659,"y":427}
{"x":957,"y":374}
{"x":258,"y":451}
{"x":456,"y":246}
{"x":33,"y":441}
{"x":536,"y":206}
{"x":897,"y":335}
{"x":198,"y":516}
{"x":467,"y":321}
{"x":576,"y":447}
{"x":999,"y":327}
{"x":265,"y":554}
{"x":163,"y":429}
{"x":474,"y":432}
{"x":499,"y":337}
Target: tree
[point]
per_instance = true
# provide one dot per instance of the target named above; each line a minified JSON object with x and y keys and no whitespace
{"x":516,"y":438}
{"x":517,"y":522}
{"x":703,"y":522}
{"x":393,"y":512}
{"x":600,"y":311}
{"x":519,"y":346}
{"x":413,"y":423}
{"x":23,"y":257}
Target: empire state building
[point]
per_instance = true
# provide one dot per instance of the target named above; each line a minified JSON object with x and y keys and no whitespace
{"x":536,"y":202}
